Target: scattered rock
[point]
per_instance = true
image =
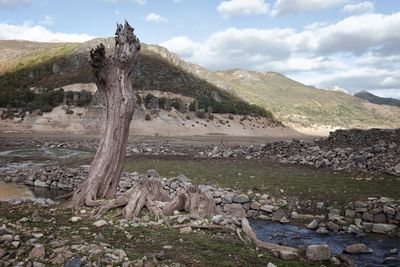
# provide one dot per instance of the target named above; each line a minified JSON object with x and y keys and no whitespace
{"x":235,"y":209}
{"x":75,"y":219}
{"x":268,"y":208}
{"x":40,"y":183}
{"x":38,"y":252}
{"x":185,"y":230}
{"x":288,"y":255}
{"x":382,"y":228}
{"x":242,"y":198}
{"x":182,"y":219}
{"x":3,"y":253}
{"x":312,"y":225}
{"x":74,"y":262}
{"x":217,"y":219}
{"x":37,"y":235}
{"x":322,"y":231}
{"x":318,"y":252}
{"x":100,"y":223}
{"x":358,"y":248}
{"x":153,"y":174}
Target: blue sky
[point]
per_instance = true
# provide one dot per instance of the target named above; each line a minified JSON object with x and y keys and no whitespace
{"x":349,"y":44}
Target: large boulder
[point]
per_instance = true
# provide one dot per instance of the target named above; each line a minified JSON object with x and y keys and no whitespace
{"x":318,"y":252}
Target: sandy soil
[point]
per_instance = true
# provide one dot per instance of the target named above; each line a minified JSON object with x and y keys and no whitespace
{"x":165,"y":126}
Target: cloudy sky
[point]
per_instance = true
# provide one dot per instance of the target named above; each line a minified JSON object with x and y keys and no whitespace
{"x":351,"y":44}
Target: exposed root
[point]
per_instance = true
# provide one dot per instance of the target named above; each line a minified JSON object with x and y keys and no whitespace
{"x":150,"y":194}
{"x":145,"y":194}
{"x":191,"y":199}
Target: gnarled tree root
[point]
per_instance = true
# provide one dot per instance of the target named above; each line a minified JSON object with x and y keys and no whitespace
{"x":191,"y":199}
{"x":150,"y":194}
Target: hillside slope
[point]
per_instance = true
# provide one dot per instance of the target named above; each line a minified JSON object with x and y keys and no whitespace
{"x":292,"y":102}
{"x":377,"y":100}
{"x":298,"y":104}
{"x":54,"y":66}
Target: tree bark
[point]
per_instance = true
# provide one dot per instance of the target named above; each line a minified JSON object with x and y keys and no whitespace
{"x":150,"y":194}
{"x":114,"y":76}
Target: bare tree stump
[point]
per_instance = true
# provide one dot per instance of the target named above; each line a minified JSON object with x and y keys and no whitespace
{"x":114,"y":76}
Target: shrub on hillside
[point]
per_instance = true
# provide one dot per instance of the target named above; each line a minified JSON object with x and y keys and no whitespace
{"x":200,"y":114}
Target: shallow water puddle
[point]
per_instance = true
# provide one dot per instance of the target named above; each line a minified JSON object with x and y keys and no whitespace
{"x":10,"y":191}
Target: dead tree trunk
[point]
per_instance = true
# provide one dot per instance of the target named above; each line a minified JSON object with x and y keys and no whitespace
{"x":113,"y":76}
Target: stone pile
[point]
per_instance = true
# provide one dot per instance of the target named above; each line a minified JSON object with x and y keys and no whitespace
{"x":375,"y":215}
{"x":373,"y":151}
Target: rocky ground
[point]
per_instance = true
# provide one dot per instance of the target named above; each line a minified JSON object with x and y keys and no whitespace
{"x":37,"y":236}
{"x":33,"y":234}
{"x":370,"y":151}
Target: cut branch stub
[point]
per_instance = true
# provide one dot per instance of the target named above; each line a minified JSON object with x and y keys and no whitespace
{"x":114,"y":76}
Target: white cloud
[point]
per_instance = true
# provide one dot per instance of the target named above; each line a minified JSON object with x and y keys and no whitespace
{"x":13,"y":3}
{"x":141,"y":2}
{"x":390,"y":82}
{"x":295,"y":7}
{"x":242,"y":7}
{"x":355,"y":34}
{"x":30,"y":32}
{"x":363,"y":7}
{"x":181,"y":45}
{"x":336,"y":88}
{"x":153,"y":17}
{"x":48,"y":20}
{"x":356,"y":53}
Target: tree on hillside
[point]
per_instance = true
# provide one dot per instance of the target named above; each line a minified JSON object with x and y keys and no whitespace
{"x":114,"y":76}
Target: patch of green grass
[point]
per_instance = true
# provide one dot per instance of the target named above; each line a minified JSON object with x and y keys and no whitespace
{"x":302,"y":182}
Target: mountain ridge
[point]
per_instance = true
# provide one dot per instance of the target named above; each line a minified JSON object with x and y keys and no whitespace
{"x":290,"y":101}
{"x":365,"y":95}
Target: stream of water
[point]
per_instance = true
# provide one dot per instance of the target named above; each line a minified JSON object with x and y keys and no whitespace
{"x":301,"y":237}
